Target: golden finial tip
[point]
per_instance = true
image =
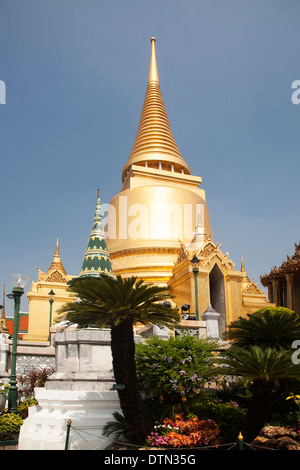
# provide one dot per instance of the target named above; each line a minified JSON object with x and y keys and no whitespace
{"x":153,"y":39}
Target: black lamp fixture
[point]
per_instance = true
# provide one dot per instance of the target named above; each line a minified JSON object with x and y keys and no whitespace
{"x":19,"y":282}
{"x":195,"y":262}
{"x":51,"y":300}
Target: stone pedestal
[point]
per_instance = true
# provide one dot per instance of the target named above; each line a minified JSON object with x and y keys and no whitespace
{"x":79,"y":390}
{"x":89,"y":411}
{"x":211,"y":317}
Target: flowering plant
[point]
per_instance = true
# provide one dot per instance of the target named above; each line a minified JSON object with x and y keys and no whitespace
{"x":10,"y":424}
{"x":176,"y":369}
{"x":181,"y":432}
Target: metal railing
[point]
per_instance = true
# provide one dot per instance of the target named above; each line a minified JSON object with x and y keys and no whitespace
{"x":239,"y":445}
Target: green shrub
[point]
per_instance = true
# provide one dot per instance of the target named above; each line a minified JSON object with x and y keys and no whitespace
{"x":22,"y":408}
{"x":273,"y":312}
{"x":10,"y":424}
{"x":228,"y":416}
{"x":270,"y":327}
{"x":176,"y":369}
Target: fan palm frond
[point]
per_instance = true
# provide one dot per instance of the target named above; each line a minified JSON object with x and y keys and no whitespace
{"x":105,"y":300}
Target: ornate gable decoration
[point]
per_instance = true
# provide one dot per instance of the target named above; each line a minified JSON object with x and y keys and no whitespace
{"x":56,"y":276}
{"x":56,"y":272}
{"x":252,"y":288}
{"x":290,"y":265}
{"x":183,"y":254}
{"x":211,"y":250}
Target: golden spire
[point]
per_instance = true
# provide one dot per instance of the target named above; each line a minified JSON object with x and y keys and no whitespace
{"x":153,"y":71}
{"x":56,"y":262}
{"x":243,"y":270}
{"x":242,"y":263}
{"x":154,"y":142}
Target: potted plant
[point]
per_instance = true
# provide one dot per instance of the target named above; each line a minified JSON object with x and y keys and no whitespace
{"x":3,"y":395}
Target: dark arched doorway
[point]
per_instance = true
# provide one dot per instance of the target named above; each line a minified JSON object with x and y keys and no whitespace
{"x":217,"y":296}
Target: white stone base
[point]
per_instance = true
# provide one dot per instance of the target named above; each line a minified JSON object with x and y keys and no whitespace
{"x":89,"y":411}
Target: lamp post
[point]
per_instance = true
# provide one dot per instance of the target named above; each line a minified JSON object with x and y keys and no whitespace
{"x":51,"y":300}
{"x":19,"y":282}
{"x":195,"y":262}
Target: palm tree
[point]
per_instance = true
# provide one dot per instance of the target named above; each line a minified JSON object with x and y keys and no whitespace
{"x":274,"y":327}
{"x":262,"y":367}
{"x":120,"y":303}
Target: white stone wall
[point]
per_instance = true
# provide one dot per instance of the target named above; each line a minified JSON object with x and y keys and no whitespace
{"x":79,"y":390}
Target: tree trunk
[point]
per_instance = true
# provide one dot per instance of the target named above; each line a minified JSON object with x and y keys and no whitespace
{"x":137,"y":416}
{"x":258,"y":409}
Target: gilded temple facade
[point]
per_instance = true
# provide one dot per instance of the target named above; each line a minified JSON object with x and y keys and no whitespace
{"x":55,"y":280}
{"x":154,"y":227}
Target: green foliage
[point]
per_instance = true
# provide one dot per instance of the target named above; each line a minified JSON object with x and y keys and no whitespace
{"x":106,"y":301}
{"x":10,"y":424}
{"x":273,"y":311}
{"x":4,"y":388}
{"x":118,"y":303}
{"x":22,"y":408}
{"x":228,"y":416}
{"x":262,"y":354}
{"x":176,"y":369}
{"x":274,"y":327}
{"x":255,"y":362}
{"x":118,"y":427}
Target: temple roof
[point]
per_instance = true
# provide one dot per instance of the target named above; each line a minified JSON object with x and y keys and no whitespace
{"x":290,"y":265}
{"x":56,"y":264}
{"x":96,"y":260}
{"x":154,"y":140}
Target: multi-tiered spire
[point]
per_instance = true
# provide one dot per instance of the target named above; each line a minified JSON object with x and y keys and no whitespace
{"x":154,"y":142}
{"x":96,"y":260}
{"x":56,"y":262}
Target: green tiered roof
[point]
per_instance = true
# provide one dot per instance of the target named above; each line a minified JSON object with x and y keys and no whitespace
{"x":96,"y":260}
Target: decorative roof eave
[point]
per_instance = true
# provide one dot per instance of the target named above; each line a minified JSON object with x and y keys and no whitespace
{"x":56,"y":271}
{"x":253,"y":289}
{"x":211,"y":250}
{"x":290,"y":266}
{"x":206,"y":254}
{"x":267,"y":278}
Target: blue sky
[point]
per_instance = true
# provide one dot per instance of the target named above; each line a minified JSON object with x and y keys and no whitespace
{"x":75,"y":73}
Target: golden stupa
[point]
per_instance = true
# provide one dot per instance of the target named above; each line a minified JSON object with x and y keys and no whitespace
{"x":155,"y":212}
{"x":160,"y":220}
{"x":153,"y":229}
